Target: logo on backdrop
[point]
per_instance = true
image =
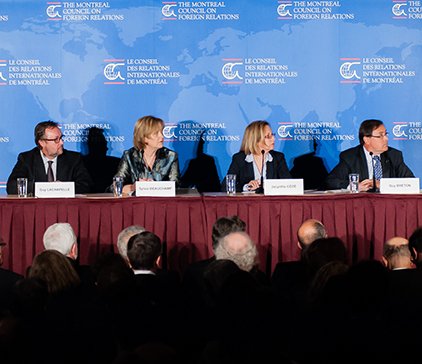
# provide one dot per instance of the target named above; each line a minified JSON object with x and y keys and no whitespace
{"x":348,"y":70}
{"x":402,"y":9}
{"x":169,"y":132}
{"x":4,"y":17}
{"x":112,"y":71}
{"x":138,"y":71}
{"x":374,"y":70}
{"x":78,"y":133}
{"x":81,"y":11}
{"x":197,"y":11}
{"x":255,"y":71}
{"x":403,"y":130}
{"x":3,"y":68}
{"x":311,"y":10}
{"x":318,"y":130}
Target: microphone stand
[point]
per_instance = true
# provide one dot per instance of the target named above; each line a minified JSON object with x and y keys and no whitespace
{"x":261,"y":188}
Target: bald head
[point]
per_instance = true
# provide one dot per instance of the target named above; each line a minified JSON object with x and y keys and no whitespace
{"x":239,"y":248}
{"x":396,"y":253}
{"x":309,"y":231}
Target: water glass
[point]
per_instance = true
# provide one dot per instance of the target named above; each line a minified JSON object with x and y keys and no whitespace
{"x":354,"y":182}
{"x":231,"y":184}
{"x":22,"y":186}
{"x":118,"y":186}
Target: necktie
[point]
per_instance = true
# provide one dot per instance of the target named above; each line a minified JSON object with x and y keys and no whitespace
{"x":377,"y":167}
{"x":50,"y":174}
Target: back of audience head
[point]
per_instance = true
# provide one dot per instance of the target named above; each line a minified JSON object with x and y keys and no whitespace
{"x":144,"y":251}
{"x":415,"y":245}
{"x":124,"y":236}
{"x":62,"y":238}
{"x":55,"y":270}
{"x":239,"y":248}
{"x":309,"y":231}
{"x":396,"y":254}
{"x":323,"y":251}
{"x":224,"y":226}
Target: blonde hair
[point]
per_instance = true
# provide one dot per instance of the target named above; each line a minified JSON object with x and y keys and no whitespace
{"x":254,"y":133}
{"x":144,"y":127}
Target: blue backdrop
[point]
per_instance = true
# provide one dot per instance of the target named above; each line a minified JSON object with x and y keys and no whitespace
{"x":313,"y":69}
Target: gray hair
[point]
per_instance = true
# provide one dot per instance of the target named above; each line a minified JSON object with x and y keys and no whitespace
{"x":59,"y":237}
{"x":124,"y":236}
{"x":239,"y":248}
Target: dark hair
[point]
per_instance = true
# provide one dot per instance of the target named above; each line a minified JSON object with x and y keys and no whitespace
{"x":367,"y":127}
{"x":415,"y":243}
{"x":55,"y":270}
{"x":224,"y":226}
{"x":39,"y":130}
{"x":143,"y":250}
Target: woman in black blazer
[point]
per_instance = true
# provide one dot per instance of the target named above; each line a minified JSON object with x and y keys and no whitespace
{"x":247,"y":164}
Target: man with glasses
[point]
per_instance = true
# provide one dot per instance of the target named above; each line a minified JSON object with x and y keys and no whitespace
{"x":49,"y":162}
{"x":373,"y":155}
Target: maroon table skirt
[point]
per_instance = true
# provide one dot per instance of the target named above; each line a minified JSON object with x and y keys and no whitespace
{"x":363,"y":221}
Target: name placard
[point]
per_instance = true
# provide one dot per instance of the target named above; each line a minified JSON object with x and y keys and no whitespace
{"x":280,"y":187}
{"x":155,"y":188}
{"x":399,"y":185}
{"x":54,"y":189}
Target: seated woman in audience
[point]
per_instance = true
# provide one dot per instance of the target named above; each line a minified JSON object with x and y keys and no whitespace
{"x":55,"y":270}
{"x":247,"y":164}
{"x":148,"y":159}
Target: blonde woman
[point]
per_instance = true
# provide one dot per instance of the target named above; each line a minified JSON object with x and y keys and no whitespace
{"x":148,"y":159}
{"x":257,"y":144}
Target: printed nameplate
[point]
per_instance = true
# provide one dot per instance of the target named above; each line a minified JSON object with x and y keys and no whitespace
{"x":399,"y":185}
{"x":155,"y":188}
{"x":280,"y":187}
{"x":54,"y":189}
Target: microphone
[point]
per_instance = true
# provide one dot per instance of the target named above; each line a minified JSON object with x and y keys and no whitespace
{"x":261,"y":188}
{"x":374,"y":180}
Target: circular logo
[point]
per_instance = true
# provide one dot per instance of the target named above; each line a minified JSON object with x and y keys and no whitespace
{"x":283,"y":131}
{"x":397,"y":10}
{"x":52,"y":12}
{"x":111,"y":73}
{"x":167,"y":10}
{"x":229,"y":73}
{"x":347,"y":72}
{"x":283,"y":11}
{"x":169,"y":131}
{"x":398,"y":131}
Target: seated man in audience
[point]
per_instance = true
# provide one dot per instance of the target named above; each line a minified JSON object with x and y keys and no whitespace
{"x":415,"y":246}
{"x":292,"y":278}
{"x":193,"y":276}
{"x":372,"y":153}
{"x":239,"y":248}
{"x":62,"y":238}
{"x":7,"y":281}
{"x":123,"y":238}
{"x":396,"y":254}
{"x":49,"y":162}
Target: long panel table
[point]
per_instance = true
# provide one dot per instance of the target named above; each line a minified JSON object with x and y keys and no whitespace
{"x":364,"y":221}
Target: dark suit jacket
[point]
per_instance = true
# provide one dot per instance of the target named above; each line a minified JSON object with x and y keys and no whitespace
{"x":243,"y":170}
{"x":353,"y":161}
{"x":69,"y":168}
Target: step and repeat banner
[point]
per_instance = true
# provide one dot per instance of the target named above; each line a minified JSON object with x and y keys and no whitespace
{"x":314,"y":69}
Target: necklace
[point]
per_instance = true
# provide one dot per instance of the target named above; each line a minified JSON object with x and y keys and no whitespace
{"x":149,"y":161}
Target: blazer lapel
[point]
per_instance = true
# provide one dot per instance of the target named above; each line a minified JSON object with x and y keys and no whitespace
{"x":363,"y":165}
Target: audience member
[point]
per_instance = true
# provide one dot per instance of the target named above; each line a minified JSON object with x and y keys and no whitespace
{"x":7,"y":281}
{"x":396,"y":254}
{"x":123,"y":238}
{"x":61,"y":237}
{"x":415,"y":246}
{"x":239,"y":248}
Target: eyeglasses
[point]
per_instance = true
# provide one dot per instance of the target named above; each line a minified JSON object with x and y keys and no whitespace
{"x":385,"y":135}
{"x":269,"y":136}
{"x":55,"y":140}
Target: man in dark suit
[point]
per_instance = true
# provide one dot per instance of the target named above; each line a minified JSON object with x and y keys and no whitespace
{"x":364,"y":158}
{"x":49,"y":162}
